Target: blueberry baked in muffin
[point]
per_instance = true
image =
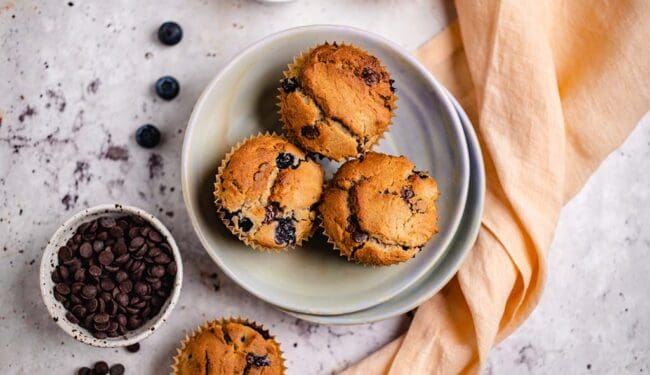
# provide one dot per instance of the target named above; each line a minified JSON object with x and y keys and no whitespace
{"x":229,"y":347}
{"x":266,"y":190}
{"x":379,"y":209}
{"x":336,"y":100}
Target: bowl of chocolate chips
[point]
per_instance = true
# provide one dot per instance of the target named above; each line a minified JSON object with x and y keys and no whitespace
{"x":111,"y":275}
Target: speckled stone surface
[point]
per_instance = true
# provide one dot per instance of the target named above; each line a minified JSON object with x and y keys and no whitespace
{"x":77,"y":80}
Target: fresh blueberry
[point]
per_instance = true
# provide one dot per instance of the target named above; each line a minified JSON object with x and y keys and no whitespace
{"x":285,"y":232}
{"x":170,"y":33}
{"x":284,"y":160}
{"x":147,"y":136}
{"x":167,"y":87}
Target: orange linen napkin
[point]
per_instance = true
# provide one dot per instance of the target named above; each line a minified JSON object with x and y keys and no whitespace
{"x":552,"y":88}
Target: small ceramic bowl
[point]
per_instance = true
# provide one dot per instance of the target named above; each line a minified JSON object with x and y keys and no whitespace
{"x":49,"y":261}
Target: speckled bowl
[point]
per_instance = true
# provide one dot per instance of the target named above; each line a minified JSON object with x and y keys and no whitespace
{"x":49,"y":262}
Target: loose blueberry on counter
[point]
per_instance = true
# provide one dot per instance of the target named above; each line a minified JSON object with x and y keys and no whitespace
{"x":170,"y":33}
{"x":147,"y":136}
{"x":167,"y":87}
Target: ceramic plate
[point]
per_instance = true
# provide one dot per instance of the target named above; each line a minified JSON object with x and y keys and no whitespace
{"x":314,"y":279}
{"x":459,"y":248}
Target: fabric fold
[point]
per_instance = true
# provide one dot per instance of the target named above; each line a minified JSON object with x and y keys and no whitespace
{"x":552,"y":87}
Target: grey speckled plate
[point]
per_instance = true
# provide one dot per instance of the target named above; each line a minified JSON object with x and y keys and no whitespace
{"x":462,"y":243}
{"x":314,"y":279}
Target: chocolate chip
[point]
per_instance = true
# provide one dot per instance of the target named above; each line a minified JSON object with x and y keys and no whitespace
{"x":136,"y":242}
{"x":98,"y":246}
{"x":62,"y":289}
{"x":245,"y":224}
{"x":370,"y":77}
{"x":391,"y":82}
{"x":310,"y":132}
{"x":65,"y":254}
{"x":106,"y":257}
{"x":92,"y":305}
{"x":117,"y":369}
{"x":285,"y":232}
{"x":154,"y":236}
{"x":86,"y":250}
{"x":284,"y":160}
{"x":107,"y":284}
{"x":289,"y":84}
{"x":80,"y":274}
{"x":107,"y":222}
{"x":100,"y":368}
{"x":89,"y":291}
{"x":134,"y":348}
{"x":95,"y":271}
{"x":64,"y":272}
{"x":84,"y":371}
{"x":164,"y":258}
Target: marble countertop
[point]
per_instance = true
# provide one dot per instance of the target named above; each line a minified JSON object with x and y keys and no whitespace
{"x":77,"y":80}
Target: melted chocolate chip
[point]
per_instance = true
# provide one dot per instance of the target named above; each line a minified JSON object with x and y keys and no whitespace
{"x":406,"y":193}
{"x":272,"y":210}
{"x":370,"y":77}
{"x":289,"y":84}
{"x":284,"y":160}
{"x":310,"y":132}
{"x":285,"y":232}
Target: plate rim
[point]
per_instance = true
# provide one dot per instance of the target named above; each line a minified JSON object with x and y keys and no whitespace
{"x":200,"y":102}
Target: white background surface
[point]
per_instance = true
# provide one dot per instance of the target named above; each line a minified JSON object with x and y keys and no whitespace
{"x":592,"y":318}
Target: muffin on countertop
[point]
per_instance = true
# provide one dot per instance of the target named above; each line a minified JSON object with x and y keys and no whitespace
{"x":379,"y":210}
{"x":336,"y":100}
{"x":266,"y":190}
{"x":229,"y":347}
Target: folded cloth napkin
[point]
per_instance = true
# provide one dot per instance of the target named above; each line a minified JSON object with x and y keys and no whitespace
{"x":552,"y":88}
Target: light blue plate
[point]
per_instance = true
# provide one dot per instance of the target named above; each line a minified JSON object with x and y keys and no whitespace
{"x":314,"y":279}
{"x":462,"y":243}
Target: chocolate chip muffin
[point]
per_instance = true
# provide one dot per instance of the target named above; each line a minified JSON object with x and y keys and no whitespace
{"x":265,"y":192}
{"x":336,"y":100}
{"x":226,"y":347}
{"x":379,"y":210}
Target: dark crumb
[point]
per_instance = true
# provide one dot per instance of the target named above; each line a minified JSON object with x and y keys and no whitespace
{"x":155,"y":164}
{"x":117,"y":153}
{"x":170,"y":213}
{"x":588,"y":366}
{"x":295,"y":344}
{"x":69,"y":201}
{"x":27,"y":112}
{"x":133,"y":348}
{"x":70,"y":3}
{"x":93,"y":86}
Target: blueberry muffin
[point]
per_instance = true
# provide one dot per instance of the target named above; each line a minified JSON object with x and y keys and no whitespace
{"x":379,"y":210}
{"x":266,"y":190}
{"x":336,"y":100}
{"x":229,"y":347}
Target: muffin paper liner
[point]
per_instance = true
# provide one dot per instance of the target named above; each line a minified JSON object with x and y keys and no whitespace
{"x":293,"y":69}
{"x":256,"y":326}
{"x":219,"y":204}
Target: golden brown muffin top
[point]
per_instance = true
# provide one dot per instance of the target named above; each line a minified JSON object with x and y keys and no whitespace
{"x":337,"y":101}
{"x":229,"y":349}
{"x":379,"y":209}
{"x":266,"y":191}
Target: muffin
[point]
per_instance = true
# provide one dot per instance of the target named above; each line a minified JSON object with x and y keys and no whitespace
{"x":265,"y":192}
{"x":336,"y":100}
{"x":379,"y":210}
{"x":226,"y":347}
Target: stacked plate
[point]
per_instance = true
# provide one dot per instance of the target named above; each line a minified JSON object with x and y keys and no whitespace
{"x":313,"y":282}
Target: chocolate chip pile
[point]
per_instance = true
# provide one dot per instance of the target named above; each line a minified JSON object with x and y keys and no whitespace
{"x":101,"y":368}
{"x":113,"y":275}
